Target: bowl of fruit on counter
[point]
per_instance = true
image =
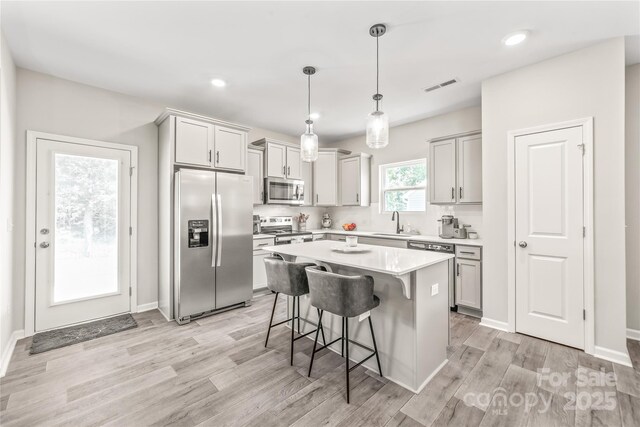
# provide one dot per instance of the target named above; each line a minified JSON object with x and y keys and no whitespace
{"x":349,"y":227}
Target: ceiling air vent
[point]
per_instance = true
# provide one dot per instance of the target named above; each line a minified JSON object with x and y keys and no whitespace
{"x":441,"y":85}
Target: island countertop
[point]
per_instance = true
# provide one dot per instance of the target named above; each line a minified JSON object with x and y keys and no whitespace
{"x":381,"y":259}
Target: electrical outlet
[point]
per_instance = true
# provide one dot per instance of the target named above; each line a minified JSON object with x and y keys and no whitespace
{"x":435,"y":289}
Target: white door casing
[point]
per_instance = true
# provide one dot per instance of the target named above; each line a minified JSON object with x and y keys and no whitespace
{"x":113,"y":288}
{"x":549,"y":241}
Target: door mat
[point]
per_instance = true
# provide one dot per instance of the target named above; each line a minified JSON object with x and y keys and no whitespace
{"x":49,"y":340}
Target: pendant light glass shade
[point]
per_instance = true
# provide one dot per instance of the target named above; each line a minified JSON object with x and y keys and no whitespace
{"x":309,"y":140}
{"x":377,"y":129}
{"x":309,"y":145}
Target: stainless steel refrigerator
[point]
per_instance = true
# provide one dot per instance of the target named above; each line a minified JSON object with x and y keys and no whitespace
{"x":213,"y":242}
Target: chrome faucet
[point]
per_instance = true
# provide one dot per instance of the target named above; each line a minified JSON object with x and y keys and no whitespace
{"x":396,"y":217}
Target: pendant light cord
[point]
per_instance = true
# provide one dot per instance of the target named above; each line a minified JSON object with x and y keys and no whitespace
{"x":377,"y":70}
{"x":309,"y":96}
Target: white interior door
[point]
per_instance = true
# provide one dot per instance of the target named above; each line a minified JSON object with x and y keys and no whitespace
{"x":83,"y":215}
{"x":549,"y":235}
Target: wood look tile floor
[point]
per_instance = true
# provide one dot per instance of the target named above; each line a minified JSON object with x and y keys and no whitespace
{"x":216,"y":372}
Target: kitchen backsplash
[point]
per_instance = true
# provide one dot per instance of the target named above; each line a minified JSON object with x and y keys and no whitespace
{"x":370,"y":218}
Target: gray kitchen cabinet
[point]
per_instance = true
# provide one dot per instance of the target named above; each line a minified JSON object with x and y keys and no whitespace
{"x":201,"y":141}
{"x":325,"y":179}
{"x":455,"y":169}
{"x":355,"y":180}
{"x":442,"y":171}
{"x":259,"y":270}
{"x":468,"y":283}
{"x":255,"y":169}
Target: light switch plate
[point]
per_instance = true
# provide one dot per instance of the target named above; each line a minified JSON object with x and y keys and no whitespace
{"x":435,"y":289}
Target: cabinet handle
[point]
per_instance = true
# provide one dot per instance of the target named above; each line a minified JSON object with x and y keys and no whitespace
{"x":217,"y":157}
{"x":357,"y":198}
{"x":289,"y":170}
{"x":316,"y":198}
{"x":262,"y":244}
{"x":453,"y":193}
{"x":209,"y":156}
{"x":460,"y":193}
{"x":458,"y":270}
{"x":470,"y":253}
{"x":284,"y":170}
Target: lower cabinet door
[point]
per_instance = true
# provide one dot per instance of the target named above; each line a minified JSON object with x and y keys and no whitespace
{"x":259,"y":270}
{"x":468,"y":283}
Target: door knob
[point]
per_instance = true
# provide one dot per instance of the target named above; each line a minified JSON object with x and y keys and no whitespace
{"x":44,"y":245}
{"x":522,"y":244}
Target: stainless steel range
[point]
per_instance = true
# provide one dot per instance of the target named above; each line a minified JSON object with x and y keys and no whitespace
{"x":282,"y":228}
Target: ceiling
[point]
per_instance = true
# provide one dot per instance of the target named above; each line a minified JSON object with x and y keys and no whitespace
{"x":169,"y":52}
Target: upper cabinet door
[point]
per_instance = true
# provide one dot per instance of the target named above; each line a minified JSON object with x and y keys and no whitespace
{"x":230,"y":149}
{"x":442,"y":171}
{"x":276,"y":160}
{"x":325,"y":177}
{"x":350,"y":181}
{"x":294,"y":163}
{"x":470,"y":169}
{"x":255,"y":168}
{"x":194,"y":142}
{"x":307,"y":177}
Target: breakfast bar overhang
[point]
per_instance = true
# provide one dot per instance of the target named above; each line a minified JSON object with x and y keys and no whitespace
{"x":412,"y":321}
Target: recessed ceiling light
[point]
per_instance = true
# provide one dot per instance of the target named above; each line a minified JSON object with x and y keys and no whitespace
{"x":314,"y":116}
{"x":218,"y":83}
{"x":515,"y":38}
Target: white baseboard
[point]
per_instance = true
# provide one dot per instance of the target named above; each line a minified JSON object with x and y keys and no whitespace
{"x":147,"y":307}
{"x":495,"y":324}
{"x":633,"y":334}
{"x":615,"y":356}
{"x":8,"y":352}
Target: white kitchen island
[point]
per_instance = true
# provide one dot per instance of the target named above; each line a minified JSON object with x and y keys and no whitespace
{"x":412,"y":322}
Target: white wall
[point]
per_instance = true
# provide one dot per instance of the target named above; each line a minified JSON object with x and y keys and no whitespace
{"x":408,"y":142}
{"x":49,"y":104}
{"x":588,"y":82}
{"x":7,"y":236}
{"x":632,"y":170}
{"x":53,"y":105}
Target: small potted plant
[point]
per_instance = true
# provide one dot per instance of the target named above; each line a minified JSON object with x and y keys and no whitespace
{"x":302,"y":221}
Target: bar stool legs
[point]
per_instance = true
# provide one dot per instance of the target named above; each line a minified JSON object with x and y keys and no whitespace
{"x":273,"y":310}
{"x":345,"y":348}
{"x":345,"y":339}
{"x":375,"y":347}
{"x":294,"y":315}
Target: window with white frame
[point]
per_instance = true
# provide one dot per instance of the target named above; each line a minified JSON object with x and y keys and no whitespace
{"x":403,"y":186}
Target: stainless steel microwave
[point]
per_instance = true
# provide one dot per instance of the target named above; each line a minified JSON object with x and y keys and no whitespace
{"x":279,"y":191}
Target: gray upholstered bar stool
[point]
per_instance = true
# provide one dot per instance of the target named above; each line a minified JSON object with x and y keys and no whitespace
{"x":290,"y":279}
{"x":345,"y":296}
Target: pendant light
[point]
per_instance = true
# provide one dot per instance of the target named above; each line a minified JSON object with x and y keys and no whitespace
{"x":377,"y":121}
{"x":309,"y":140}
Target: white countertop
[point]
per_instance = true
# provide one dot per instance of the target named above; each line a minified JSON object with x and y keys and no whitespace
{"x":412,"y":237}
{"x":381,"y":259}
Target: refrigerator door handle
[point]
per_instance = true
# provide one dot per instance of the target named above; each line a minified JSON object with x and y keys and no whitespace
{"x":219,"y":231}
{"x":213,"y":230}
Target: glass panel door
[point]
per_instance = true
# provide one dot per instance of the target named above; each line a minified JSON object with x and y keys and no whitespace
{"x":86,"y":223}
{"x":83,"y":242}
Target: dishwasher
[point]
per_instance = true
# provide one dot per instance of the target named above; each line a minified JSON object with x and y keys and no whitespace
{"x":446,"y":248}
